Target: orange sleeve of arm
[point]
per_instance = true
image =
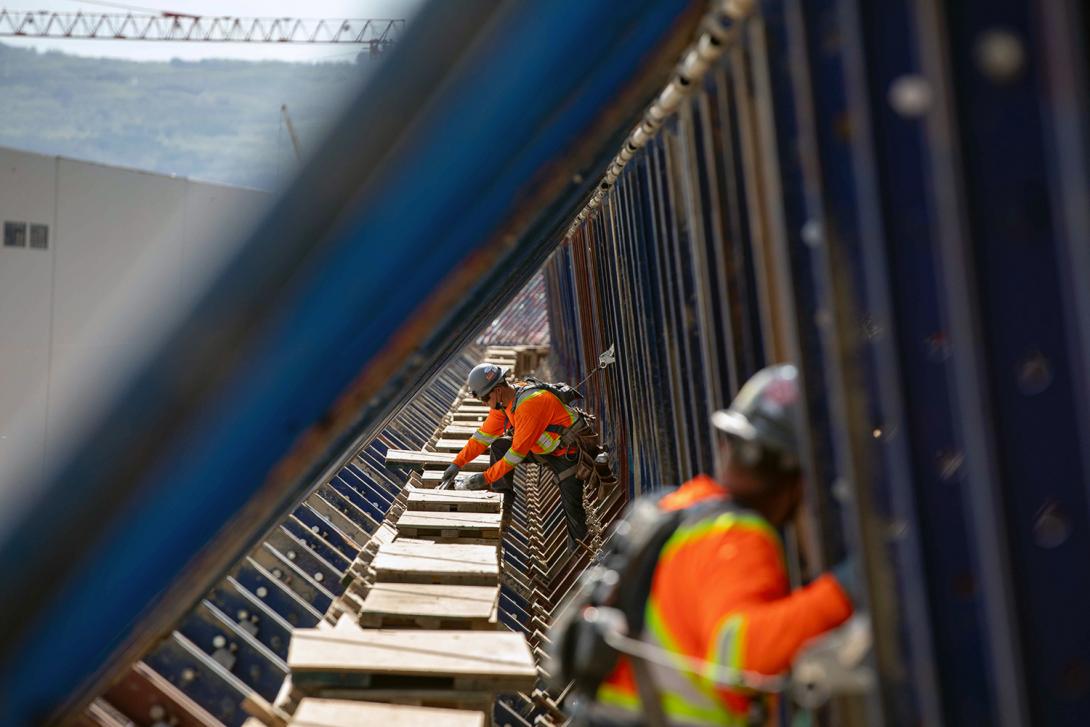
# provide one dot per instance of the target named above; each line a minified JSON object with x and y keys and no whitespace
{"x":491,"y":428}
{"x":772,"y":633}
{"x":748,"y":620}
{"x":530,"y":421}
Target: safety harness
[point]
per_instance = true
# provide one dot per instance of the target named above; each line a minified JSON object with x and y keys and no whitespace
{"x":570,"y":435}
{"x":611,"y":597}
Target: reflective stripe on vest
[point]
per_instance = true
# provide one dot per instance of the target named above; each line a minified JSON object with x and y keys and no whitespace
{"x":689,"y":697}
{"x":485,"y":439}
{"x":513,"y":458}
{"x":548,"y":442}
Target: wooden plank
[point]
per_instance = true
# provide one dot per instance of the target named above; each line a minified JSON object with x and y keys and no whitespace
{"x":341,"y":713}
{"x":431,"y":478}
{"x":420,"y":524}
{"x":465,"y":416}
{"x":495,"y":660}
{"x":454,"y":501}
{"x":451,"y":445}
{"x":478,"y":701}
{"x":455,"y":430}
{"x":456,"y":563}
{"x":433,"y":459}
{"x":426,"y":605}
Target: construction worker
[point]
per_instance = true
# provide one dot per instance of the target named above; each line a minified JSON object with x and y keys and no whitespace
{"x":536,"y":419}
{"x":719,"y":591}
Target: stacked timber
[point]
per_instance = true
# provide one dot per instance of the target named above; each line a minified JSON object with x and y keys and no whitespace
{"x":415,"y":638}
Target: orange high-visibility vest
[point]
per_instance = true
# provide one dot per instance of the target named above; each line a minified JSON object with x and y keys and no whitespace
{"x":537,"y":421}
{"x":720,"y":593}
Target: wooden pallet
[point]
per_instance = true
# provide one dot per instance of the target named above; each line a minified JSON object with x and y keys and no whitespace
{"x":455,"y":563}
{"x":430,"y":606}
{"x":450,"y":445}
{"x":459,"y":430}
{"x":339,"y":713}
{"x":420,"y":524}
{"x":349,"y":657}
{"x":466,"y":417}
{"x":433,"y":459}
{"x":437,"y":698}
{"x":454,"y":501}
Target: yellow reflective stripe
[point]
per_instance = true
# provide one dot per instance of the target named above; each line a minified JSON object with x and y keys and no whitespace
{"x":571,"y":413}
{"x":616,"y":697}
{"x":513,"y":458}
{"x":534,"y":395}
{"x":657,"y":626}
{"x":676,"y":707}
{"x":485,"y":439}
{"x":548,"y":442}
{"x":539,"y":392}
{"x":726,"y":647}
{"x":686,"y":534}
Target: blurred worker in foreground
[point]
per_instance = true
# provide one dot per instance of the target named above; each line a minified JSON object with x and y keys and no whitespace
{"x":716,"y":621}
{"x":540,"y":425}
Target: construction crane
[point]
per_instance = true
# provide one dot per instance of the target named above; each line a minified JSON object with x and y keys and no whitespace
{"x":169,"y":26}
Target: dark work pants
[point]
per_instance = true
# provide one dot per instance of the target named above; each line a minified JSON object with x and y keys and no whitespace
{"x":571,"y":490}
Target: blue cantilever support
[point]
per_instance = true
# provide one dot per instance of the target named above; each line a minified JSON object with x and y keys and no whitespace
{"x":432,"y":202}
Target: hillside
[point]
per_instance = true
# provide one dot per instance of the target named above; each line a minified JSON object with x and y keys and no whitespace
{"x":211,"y":120}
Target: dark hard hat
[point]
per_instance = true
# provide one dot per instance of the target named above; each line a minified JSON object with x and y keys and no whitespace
{"x":483,"y":378}
{"x":766,"y":410}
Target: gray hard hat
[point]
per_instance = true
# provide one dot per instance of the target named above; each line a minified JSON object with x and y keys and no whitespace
{"x":766,"y":410}
{"x":483,"y":378}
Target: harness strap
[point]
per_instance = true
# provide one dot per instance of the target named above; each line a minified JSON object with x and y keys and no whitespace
{"x":650,"y":698}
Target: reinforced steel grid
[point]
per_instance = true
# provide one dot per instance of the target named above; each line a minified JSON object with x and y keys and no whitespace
{"x":893,"y":196}
{"x":231,"y":648}
{"x":883,"y":193}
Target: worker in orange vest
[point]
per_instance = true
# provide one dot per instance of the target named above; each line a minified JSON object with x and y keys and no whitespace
{"x":719,"y":595}
{"x":538,"y":420}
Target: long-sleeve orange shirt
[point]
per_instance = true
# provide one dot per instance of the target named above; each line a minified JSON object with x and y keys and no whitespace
{"x":536,"y":413}
{"x":720,"y":593}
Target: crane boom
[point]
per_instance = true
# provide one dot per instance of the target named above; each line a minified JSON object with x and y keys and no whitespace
{"x":181,"y":27}
{"x":291,"y":132}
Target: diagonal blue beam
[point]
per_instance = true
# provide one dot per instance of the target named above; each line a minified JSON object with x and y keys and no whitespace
{"x":431,"y":203}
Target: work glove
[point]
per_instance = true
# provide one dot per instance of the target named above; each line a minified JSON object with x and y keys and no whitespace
{"x":475,"y":481}
{"x":448,"y":475}
{"x":846,"y":573}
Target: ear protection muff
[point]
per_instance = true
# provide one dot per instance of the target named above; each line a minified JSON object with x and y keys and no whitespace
{"x":749,"y":453}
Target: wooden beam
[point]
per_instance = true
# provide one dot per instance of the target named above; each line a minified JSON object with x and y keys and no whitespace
{"x":393,"y":605}
{"x":453,"y":444}
{"x":456,"y":563}
{"x":421,"y":524}
{"x":341,"y":713}
{"x":497,"y":661}
{"x":433,"y":459}
{"x":454,"y":501}
{"x":455,"y":430}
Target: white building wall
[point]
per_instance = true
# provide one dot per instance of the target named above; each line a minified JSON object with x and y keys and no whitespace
{"x":27,"y":194}
{"x":126,"y":248}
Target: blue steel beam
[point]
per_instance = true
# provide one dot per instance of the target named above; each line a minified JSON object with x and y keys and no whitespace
{"x":430,"y":204}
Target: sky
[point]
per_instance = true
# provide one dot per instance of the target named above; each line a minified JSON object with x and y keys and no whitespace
{"x":165,"y":51}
